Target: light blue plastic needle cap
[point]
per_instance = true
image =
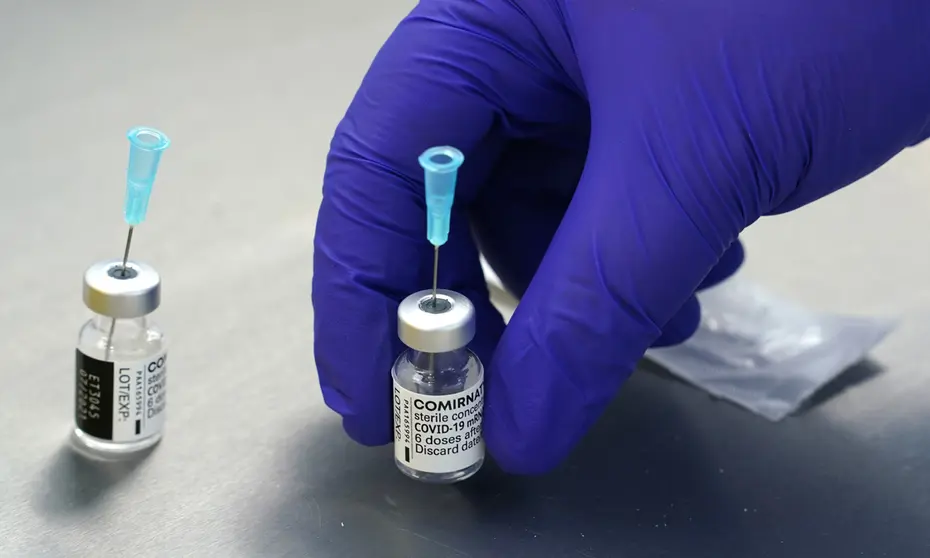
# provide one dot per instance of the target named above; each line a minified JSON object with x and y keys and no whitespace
{"x":440,"y":171}
{"x":145,"y":149}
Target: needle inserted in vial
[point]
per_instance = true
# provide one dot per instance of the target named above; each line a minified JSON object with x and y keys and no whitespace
{"x":126,"y":251}
{"x":435,"y":273}
{"x":448,"y":385}
{"x":145,"y":148}
{"x":440,"y":171}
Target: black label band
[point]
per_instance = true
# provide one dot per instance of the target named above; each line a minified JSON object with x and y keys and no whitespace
{"x":93,"y":410}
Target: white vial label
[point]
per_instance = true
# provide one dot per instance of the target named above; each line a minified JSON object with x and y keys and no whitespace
{"x":438,"y":433}
{"x":120,"y":401}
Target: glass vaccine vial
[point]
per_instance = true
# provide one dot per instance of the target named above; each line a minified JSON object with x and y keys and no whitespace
{"x":120,"y":362}
{"x":438,"y":389}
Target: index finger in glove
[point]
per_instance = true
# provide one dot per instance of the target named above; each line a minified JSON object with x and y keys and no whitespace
{"x":431,"y":84}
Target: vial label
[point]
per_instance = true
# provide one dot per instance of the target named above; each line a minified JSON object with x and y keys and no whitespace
{"x":120,"y":401}
{"x":438,"y":433}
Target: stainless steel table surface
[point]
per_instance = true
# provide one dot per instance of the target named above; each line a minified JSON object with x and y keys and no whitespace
{"x":253,"y":464}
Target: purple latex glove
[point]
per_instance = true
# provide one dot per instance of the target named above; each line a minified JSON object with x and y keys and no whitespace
{"x":614,"y":151}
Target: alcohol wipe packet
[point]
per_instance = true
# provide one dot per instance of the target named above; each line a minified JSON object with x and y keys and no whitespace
{"x":764,"y":352}
{"x":756,"y":349}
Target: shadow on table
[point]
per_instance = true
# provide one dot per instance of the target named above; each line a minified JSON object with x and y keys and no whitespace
{"x":857,"y":374}
{"x":667,"y":471}
{"x":73,"y":482}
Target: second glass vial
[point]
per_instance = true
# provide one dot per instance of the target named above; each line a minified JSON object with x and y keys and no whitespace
{"x":121,"y":362}
{"x":438,"y":389}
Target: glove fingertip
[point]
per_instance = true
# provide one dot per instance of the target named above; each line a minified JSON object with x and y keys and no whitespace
{"x":510,"y":453}
{"x":535,"y":409}
{"x":367,"y":432}
{"x":729,"y":263}
{"x":682,"y":326}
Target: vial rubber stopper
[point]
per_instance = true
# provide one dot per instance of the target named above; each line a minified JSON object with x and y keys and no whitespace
{"x":436,"y":325}
{"x":119,"y":292}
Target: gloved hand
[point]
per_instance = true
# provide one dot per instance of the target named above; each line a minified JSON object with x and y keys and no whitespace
{"x":614,"y":151}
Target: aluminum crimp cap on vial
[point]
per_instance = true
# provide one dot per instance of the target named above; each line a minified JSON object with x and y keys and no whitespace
{"x":445,"y":325}
{"x":111,"y":291}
